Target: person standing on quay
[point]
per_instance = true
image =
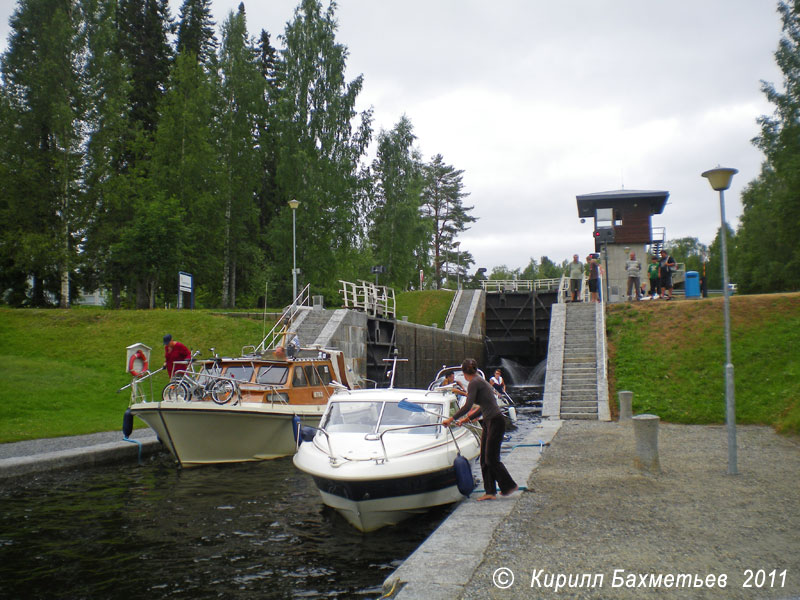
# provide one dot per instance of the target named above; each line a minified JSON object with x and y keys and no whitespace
{"x":480,"y":392}
{"x":652,"y":273}
{"x":575,"y":271}
{"x":634,"y":269}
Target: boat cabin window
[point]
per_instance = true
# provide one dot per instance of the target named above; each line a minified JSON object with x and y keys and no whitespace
{"x":352,"y":417}
{"x":272,"y":375}
{"x":239,"y":372}
{"x":299,"y":378}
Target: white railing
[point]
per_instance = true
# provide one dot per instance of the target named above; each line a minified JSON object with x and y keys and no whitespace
{"x":602,"y":331}
{"x":451,"y":313}
{"x":279,"y":330}
{"x":375,"y":300}
{"x":519,"y":285}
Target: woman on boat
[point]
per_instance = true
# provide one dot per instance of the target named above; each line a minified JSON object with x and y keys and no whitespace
{"x":498,"y":383}
{"x":480,"y":392}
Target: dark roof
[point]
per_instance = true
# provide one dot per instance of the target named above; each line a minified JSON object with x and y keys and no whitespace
{"x":588,"y":203}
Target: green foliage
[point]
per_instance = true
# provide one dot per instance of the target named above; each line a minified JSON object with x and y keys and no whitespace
{"x":672,"y":357}
{"x":398,"y":234}
{"x":768,"y":255}
{"x":55,"y":387}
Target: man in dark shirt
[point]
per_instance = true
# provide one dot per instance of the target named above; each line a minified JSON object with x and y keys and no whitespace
{"x":175,"y":352}
{"x":481,"y":393}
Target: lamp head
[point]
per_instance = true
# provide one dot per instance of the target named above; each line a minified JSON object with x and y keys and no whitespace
{"x":720,"y":178}
{"x":293,"y":204}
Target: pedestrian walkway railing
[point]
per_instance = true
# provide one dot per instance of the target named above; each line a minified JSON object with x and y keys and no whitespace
{"x":278,"y":333}
{"x":375,"y":300}
{"x":603,"y":352}
{"x":451,"y":313}
{"x":519,"y":285}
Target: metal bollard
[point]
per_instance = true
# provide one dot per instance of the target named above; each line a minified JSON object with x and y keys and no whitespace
{"x":625,"y":403}
{"x":645,"y":430}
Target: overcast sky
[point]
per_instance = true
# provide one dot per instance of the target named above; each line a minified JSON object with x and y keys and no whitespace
{"x":541,"y":101}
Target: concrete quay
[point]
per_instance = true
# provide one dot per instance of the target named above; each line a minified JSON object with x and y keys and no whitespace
{"x":30,"y":457}
{"x":442,"y":566}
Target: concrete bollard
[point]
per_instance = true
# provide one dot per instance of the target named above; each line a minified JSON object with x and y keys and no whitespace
{"x":645,"y":430}
{"x":625,"y":403}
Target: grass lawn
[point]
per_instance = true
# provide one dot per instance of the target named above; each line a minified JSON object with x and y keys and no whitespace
{"x":672,"y":356}
{"x":60,"y":369}
{"x":425,"y":307}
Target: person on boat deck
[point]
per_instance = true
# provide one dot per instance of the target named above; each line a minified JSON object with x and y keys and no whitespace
{"x":480,"y":392}
{"x":450,"y":379}
{"x":175,"y":352}
{"x":498,"y":382}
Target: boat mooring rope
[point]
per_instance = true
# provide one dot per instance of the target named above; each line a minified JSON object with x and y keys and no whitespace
{"x":127,"y":439}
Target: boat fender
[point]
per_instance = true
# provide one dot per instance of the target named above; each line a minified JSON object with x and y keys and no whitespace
{"x":296,"y":429}
{"x":512,"y":414}
{"x":140,"y":356}
{"x":464,"y":479}
{"x":127,"y":423}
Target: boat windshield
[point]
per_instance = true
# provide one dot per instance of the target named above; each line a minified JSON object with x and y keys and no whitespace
{"x":368,"y":417}
{"x":272,"y":374}
{"x":239,"y":372}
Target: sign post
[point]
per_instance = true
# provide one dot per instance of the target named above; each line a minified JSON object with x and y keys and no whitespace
{"x":185,"y":286}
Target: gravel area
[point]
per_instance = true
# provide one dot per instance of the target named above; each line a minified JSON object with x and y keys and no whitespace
{"x":593,"y":512}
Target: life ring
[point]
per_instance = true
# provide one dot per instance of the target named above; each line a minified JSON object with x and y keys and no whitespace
{"x":140,"y":355}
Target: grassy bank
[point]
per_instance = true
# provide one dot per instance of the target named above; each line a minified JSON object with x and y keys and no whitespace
{"x":426,"y":307}
{"x":672,"y":356}
{"x":60,"y":369}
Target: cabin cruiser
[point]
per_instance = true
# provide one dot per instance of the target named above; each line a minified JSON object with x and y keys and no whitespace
{"x":224,"y":410}
{"x":382,"y":455}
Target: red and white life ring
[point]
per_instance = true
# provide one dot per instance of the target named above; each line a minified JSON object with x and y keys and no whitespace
{"x":137,"y":355}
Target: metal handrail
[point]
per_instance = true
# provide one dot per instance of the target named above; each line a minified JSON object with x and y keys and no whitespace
{"x":452,"y":311}
{"x":602,"y":331}
{"x":280,"y":328}
{"x":516,"y":285}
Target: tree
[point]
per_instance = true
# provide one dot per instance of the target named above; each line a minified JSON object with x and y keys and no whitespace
{"x":442,"y":203}
{"x":41,"y":213}
{"x":242,"y":92}
{"x":398,"y":233}
{"x":689,"y":251}
{"x":768,"y":255}
{"x":714,"y":264}
{"x":196,"y":31}
{"x":320,"y":149}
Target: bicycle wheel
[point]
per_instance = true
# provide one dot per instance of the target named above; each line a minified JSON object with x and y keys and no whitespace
{"x":175,"y":391}
{"x":223,"y":391}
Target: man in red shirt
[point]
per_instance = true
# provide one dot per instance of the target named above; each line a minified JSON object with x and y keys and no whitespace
{"x":175,"y":352}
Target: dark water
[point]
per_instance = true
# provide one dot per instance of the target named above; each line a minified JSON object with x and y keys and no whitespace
{"x":255,"y":530}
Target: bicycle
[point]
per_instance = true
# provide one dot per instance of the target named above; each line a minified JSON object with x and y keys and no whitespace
{"x":198,"y":386}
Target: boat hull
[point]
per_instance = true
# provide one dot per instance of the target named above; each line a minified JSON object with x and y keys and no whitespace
{"x":371,"y":505}
{"x":205,"y":433}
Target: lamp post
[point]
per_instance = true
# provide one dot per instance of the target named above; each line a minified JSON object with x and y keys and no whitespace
{"x":293,"y":204}
{"x":720,"y":180}
{"x":457,"y":246}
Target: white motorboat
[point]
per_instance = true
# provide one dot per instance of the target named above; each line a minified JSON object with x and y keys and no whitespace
{"x":382,"y":455}
{"x":241,"y":409}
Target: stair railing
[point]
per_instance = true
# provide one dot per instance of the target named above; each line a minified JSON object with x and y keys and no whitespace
{"x":281,"y":326}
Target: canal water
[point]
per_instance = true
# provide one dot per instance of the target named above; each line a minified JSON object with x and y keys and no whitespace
{"x":253,"y":530}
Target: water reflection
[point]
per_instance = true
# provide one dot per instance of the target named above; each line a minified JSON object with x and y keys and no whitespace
{"x":237,"y":531}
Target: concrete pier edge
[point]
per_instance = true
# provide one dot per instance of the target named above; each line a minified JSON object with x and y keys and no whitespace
{"x":445,"y":562}
{"x":80,"y":456}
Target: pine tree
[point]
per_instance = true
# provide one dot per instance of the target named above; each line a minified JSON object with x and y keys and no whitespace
{"x":196,"y":31}
{"x":42,"y":214}
{"x":442,"y":204}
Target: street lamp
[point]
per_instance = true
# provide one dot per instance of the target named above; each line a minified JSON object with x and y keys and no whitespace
{"x":720,"y":180}
{"x":457,"y":246}
{"x":293,"y":204}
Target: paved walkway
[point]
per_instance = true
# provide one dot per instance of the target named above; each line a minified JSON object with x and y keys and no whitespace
{"x":593,"y":513}
{"x":36,"y":456}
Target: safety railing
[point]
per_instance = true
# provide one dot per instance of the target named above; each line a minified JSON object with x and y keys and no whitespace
{"x":281,"y":327}
{"x":375,"y":300}
{"x":519,"y":285}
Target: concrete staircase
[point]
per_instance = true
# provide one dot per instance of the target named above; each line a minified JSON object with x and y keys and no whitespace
{"x":579,"y":374}
{"x":465,"y":312}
